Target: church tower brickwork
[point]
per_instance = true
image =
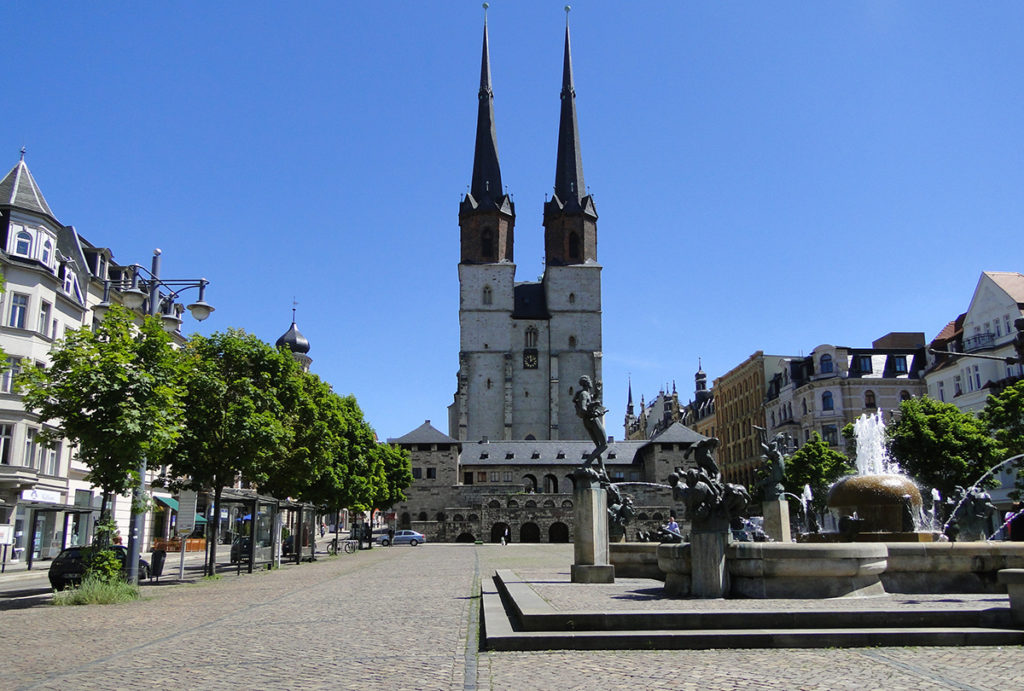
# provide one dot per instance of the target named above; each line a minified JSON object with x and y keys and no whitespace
{"x":525,"y":345}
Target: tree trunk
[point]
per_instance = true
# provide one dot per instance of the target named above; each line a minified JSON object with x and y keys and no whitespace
{"x":216,"y":529}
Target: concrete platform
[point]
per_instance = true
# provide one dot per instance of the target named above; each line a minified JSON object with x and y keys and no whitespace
{"x":548,"y":612}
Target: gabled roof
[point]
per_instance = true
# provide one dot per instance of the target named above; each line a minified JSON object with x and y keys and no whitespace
{"x":19,"y":189}
{"x":678,"y":433}
{"x":1010,"y":281}
{"x":424,"y":434}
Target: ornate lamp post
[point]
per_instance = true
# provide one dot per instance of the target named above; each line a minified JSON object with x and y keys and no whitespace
{"x":146,"y":289}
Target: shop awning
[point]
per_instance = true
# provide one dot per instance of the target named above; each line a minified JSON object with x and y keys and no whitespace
{"x":169,"y":502}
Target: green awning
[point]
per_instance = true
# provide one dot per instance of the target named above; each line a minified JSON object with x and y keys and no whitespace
{"x":169,"y":502}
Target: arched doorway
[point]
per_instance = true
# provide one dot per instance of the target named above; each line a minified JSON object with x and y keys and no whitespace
{"x":530,"y":532}
{"x":558,"y":532}
{"x":497,"y":530}
{"x":465,"y":537}
{"x":529,"y":483}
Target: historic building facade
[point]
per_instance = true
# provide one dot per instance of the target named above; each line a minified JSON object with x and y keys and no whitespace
{"x":835,"y":385}
{"x":514,"y":438}
{"x":55,"y":280}
{"x":525,"y":345}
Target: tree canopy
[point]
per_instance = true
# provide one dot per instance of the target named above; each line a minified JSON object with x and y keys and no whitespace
{"x":817,"y":465}
{"x":1004,"y":416}
{"x":940,"y":446}
{"x":115,"y":392}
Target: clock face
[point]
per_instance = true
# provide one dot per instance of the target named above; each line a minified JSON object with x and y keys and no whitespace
{"x":530,"y":360}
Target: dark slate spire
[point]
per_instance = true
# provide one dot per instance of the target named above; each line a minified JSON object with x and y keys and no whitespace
{"x":19,"y":189}
{"x":486,"y":184}
{"x":569,"y":185}
{"x":294,"y":341}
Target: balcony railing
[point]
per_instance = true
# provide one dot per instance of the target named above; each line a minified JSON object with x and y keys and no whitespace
{"x":979,"y":342}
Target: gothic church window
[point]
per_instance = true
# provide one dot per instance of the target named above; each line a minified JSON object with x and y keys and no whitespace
{"x":572,"y":298}
{"x":572,"y":341}
{"x":574,"y":246}
{"x":531,"y":337}
{"x":488,"y":295}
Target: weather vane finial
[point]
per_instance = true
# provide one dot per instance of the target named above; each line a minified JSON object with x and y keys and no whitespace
{"x":295,"y":304}
{"x":23,"y":153}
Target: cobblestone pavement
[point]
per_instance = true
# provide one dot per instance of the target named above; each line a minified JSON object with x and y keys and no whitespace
{"x":406,"y":618}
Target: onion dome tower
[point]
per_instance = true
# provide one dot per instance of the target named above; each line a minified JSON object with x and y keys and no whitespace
{"x":298,"y":344}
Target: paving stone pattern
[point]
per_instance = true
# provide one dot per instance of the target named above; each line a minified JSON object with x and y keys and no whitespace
{"x":406,"y":618}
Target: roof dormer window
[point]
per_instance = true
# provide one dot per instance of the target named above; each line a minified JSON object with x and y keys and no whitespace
{"x":23,"y":243}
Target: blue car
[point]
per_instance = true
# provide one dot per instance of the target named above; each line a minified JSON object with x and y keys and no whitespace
{"x":404,"y":537}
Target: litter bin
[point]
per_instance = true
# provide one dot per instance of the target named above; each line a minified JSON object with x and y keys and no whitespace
{"x":156,"y":563}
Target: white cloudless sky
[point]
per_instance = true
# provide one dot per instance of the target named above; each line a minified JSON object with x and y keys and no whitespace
{"x":768,"y":176}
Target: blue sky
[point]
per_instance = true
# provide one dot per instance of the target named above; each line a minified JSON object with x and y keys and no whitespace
{"x":769,"y":176}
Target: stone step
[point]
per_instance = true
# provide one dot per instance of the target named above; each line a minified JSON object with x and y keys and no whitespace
{"x":499,"y":634}
{"x":532,"y":613}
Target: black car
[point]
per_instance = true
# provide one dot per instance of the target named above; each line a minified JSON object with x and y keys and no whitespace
{"x":67,"y":568}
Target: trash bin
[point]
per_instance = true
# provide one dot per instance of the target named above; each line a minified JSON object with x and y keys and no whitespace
{"x":156,"y":563}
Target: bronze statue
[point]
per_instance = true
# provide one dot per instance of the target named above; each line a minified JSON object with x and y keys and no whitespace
{"x":702,"y":454}
{"x":774,"y":464}
{"x":591,"y":412}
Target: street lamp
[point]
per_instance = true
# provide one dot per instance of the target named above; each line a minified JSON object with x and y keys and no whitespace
{"x":142,"y":287}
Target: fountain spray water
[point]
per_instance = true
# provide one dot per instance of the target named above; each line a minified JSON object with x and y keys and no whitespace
{"x":872,"y":456}
{"x":970,"y":490}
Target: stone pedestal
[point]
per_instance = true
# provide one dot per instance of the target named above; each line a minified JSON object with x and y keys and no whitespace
{"x":709,"y":575}
{"x":590,"y":547}
{"x":776,"y":520}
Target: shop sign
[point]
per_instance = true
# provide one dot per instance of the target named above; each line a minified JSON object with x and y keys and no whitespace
{"x":6,"y":534}
{"x":43,"y":495}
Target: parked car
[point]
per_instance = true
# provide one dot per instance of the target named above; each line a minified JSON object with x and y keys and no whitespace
{"x":404,"y":537}
{"x":67,"y":568}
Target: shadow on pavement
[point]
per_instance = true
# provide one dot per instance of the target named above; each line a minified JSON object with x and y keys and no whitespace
{"x":25,"y":598}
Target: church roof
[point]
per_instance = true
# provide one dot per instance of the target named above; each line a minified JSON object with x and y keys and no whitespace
{"x":424,"y":434}
{"x":19,"y":189}
{"x":294,"y":341}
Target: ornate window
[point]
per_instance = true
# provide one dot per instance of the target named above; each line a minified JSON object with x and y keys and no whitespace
{"x":825,"y":363}
{"x":869,"y":399}
{"x":826,"y":401}
{"x":531,"y":337}
{"x":23,"y":243}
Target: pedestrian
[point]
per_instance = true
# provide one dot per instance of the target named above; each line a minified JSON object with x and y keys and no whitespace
{"x":672,"y":526}
{"x":505,"y":537}
{"x":391,"y":536}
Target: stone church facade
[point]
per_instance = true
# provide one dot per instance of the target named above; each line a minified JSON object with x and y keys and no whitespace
{"x":513,"y":436}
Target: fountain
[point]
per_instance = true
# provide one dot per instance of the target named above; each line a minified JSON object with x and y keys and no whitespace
{"x":879,"y":503}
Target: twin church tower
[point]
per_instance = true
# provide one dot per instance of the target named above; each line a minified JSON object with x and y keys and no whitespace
{"x":525,"y":345}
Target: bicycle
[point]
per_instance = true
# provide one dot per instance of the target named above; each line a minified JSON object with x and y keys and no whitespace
{"x":346,"y":546}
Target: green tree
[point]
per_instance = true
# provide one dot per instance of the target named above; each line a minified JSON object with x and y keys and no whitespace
{"x":115,"y":393}
{"x":240,"y":393}
{"x":396,"y":476}
{"x":940,"y":446}
{"x":1004,"y":417}
{"x":818,"y":465}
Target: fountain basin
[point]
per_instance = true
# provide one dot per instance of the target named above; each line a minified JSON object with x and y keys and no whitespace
{"x":950,"y":567}
{"x":784,"y":570}
{"x":877,"y":500}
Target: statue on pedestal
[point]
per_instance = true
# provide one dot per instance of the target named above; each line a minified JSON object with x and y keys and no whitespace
{"x":774,"y":457}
